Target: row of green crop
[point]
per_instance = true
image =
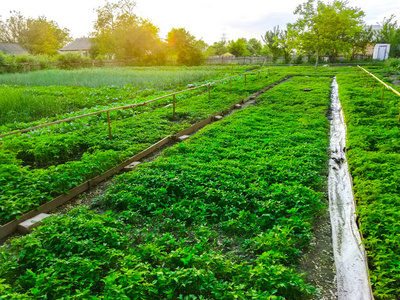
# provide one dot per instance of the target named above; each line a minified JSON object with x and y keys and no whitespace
{"x":39,"y":165}
{"x":29,"y":97}
{"x":224,"y":215}
{"x":374,"y":160}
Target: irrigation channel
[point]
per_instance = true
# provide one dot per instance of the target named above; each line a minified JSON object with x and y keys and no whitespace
{"x":348,"y":250}
{"x":349,"y":253}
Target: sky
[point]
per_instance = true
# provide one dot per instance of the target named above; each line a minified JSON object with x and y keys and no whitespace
{"x":205,"y":19}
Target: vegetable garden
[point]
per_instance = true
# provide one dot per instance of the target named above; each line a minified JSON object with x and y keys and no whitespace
{"x":227,"y":214}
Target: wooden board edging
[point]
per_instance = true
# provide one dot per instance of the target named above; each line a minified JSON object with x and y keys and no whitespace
{"x":11,"y":226}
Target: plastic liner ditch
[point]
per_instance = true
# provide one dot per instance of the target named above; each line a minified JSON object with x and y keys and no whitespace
{"x":349,"y":253}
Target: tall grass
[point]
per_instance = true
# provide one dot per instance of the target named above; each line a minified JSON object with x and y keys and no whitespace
{"x":157,"y":77}
{"x":23,"y":105}
{"x":32,"y":96}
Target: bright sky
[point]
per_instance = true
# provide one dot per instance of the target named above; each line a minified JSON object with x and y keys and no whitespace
{"x":207,"y":19}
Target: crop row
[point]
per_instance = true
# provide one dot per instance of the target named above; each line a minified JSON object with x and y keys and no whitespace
{"x":26,"y":101}
{"x":374,"y":160}
{"x":37,"y":166}
{"x":224,"y":215}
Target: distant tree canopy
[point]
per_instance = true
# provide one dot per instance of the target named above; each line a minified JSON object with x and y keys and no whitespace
{"x":276,"y":41}
{"x":218,"y":48}
{"x":238,"y":47}
{"x":185,"y":48}
{"x":38,"y":36}
{"x":325,"y":28}
{"x":390,"y":34}
{"x":121,"y":34}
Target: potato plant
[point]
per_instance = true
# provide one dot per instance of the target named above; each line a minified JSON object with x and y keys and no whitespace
{"x":42,"y":164}
{"x":374,"y":160}
{"x":224,"y":215}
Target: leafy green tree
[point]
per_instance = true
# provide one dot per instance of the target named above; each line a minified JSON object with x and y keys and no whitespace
{"x":184,"y":48}
{"x":390,"y":34}
{"x":325,"y":28}
{"x":360,"y":41}
{"x":218,"y":48}
{"x":38,"y":36}
{"x":254,"y":46}
{"x":13,"y":30}
{"x":120,"y":33}
{"x":275,"y":41}
{"x":45,"y":37}
{"x":238,"y":47}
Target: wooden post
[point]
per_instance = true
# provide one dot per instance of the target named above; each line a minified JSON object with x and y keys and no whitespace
{"x":363,"y":78}
{"x":245,"y":79}
{"x":109,"y":125}
{"x":258,"y":75}
{"x":383,"y":93}
{"x":173,"y":107}
{"x":373,"y":85}
{"x":367,"y":80}
{"x":230,"y":85}
{"x":209,"y":91}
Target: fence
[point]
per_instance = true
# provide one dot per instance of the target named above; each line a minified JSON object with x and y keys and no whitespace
{"x":385,"y":86}
{"x":262,"y":60}
{"x":107,"y":111}
{"x":232,"y":60}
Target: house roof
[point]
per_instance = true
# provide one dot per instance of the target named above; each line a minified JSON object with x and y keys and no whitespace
{"x":12,"y":48}
{"x":81,"y":44}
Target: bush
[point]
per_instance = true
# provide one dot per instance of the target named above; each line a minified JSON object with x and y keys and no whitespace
{"x":73,"y":60}
{"x":393,"y":64}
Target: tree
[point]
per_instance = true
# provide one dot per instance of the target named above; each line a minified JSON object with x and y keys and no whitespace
{"x":218,"y":48}
{"x":390,"y":34}
{"x":184,"y":48}
{"x":13,"y":30}
{"x":360,"y":41}
{"x":44,"y":37}
{"x":325,"y":28}
{"x":254,"y":46}
{"x":275,"y":40}
{"x":238,"y":48}
{"x":38,"y":36}
{"x":120,"y":33}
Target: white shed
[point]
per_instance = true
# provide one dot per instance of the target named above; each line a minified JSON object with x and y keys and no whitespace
{"x":381,"y":51}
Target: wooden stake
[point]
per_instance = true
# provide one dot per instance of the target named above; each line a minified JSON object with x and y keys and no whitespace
{"x":258,"y":75}
{"x":245,"y":79}
{"x":109,"y":125}
{"x":367,"y":79}
{"x":230,"y":85}
{"x":209,"y":91}
{"x":373,"y":85}
{"x":383,"y":93}
{"x":173,"y":107}
{"x":363,"y":78}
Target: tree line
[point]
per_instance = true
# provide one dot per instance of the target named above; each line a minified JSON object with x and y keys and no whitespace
{"x":331,"y":30}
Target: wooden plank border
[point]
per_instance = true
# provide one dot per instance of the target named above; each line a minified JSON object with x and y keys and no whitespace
{"x":11,"y":227}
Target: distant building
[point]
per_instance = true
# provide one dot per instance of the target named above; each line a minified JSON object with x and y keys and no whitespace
{"x":79,"y":45}
{"x":12,"y":48}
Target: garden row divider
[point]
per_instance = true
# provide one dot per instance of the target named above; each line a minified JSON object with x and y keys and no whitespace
{"x":11,"y":227}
